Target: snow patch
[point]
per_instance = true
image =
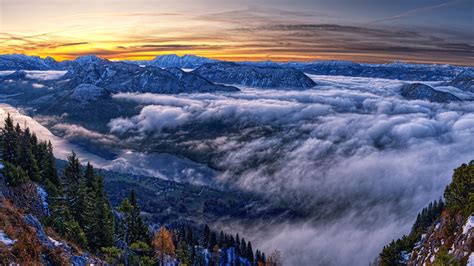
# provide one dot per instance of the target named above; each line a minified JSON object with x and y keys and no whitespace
{"x":44,"y":197}
{"x":6,"y":72}
{"x":405,"y":257}
{"x":45,"y":75}
{"x":469,"y":225}
{"x":54,"y":242}
{"x":5,"y":239}
{"x":37,"y":86}
{"x":470,"y":262}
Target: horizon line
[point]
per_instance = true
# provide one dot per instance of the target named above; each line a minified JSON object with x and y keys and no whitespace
{"x":246,"y":59}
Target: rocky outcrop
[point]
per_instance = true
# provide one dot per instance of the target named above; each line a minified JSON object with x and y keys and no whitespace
{"x":419,"y":91}
{"x":253,"y":76}
{"x":24,"y":196}
{"x":449,"y":238}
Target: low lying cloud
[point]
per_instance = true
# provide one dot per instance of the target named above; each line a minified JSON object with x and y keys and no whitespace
{"x":152,"y":118}
{"x":351,"y":154}
{"x":37,"y":86}
{"x":71,"y":132}
{"x":44,"y":75}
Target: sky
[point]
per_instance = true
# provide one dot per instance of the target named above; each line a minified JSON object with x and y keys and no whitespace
{"x":424,"y":31}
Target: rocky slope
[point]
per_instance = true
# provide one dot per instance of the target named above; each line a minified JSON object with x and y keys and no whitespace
{"x":124,"y":77}
{"x":23,"y":238}
{"x":253,"y":76}
{"x":450,"y":239}
{"x":443,"y":233}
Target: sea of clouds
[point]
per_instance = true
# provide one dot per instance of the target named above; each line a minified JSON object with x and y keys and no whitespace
{"x":351,"y":153}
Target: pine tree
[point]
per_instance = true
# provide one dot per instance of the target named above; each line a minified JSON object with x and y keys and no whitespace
{"x":73,"y":189}
{"x":206,"y":236}
{"x":258,"y":256}
{"x":15,"y":175}
{"x":183,"y":253}
{"x":138,"y":229}
{"x":212,"y":240}
{"x":459,"y":194}
{"x":106,"y":221}
{"x":37,"y":148}
{"x":243,"y":248}
{"x":250,"y":252}
{"x":10,"y":141}
{"x":221,"y":241}
{"x":237,"y":246}
{"x":48,"y":166}
{"x":190,"y":236}
{"x":25,"y":158}
{"x":97,"y":218}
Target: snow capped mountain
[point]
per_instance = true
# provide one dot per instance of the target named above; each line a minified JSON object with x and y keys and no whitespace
{"x":88,"y":59}
{"x":19,"y":61}
{"x":125,"y":77}
{"x":173,"y":60}
{"x":419,"y":91}
{"x":394,"y":70}
{"x":464,"y":81}
{"x":164,"y":74}
{"x":261,"y":77}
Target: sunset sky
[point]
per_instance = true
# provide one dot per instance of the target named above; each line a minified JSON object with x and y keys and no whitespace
{"x":359,"y":30}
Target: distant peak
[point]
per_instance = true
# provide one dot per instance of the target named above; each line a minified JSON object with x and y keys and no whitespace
{"x":89,"y":59}
{"x":175,"y":56}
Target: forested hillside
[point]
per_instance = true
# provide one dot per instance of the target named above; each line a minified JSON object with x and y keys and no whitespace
{"x":64,"y":217}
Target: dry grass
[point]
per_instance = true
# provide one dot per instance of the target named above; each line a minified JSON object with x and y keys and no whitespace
{"x":27,"y":249}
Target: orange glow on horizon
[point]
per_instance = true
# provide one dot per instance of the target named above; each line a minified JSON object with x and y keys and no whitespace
{"x":239,"y":35}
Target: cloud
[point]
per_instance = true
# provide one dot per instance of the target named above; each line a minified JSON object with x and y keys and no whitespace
{"x":415,"y":11}
{"x":72,"y":44}
{"x":75,"y":132}
{"x":45,"y":75}
{"x":255,"y":33}
{"x":37,"y":86}
{"x":214,"y":108}
{"x":351,"y":155}
{"x":151,"y":118}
